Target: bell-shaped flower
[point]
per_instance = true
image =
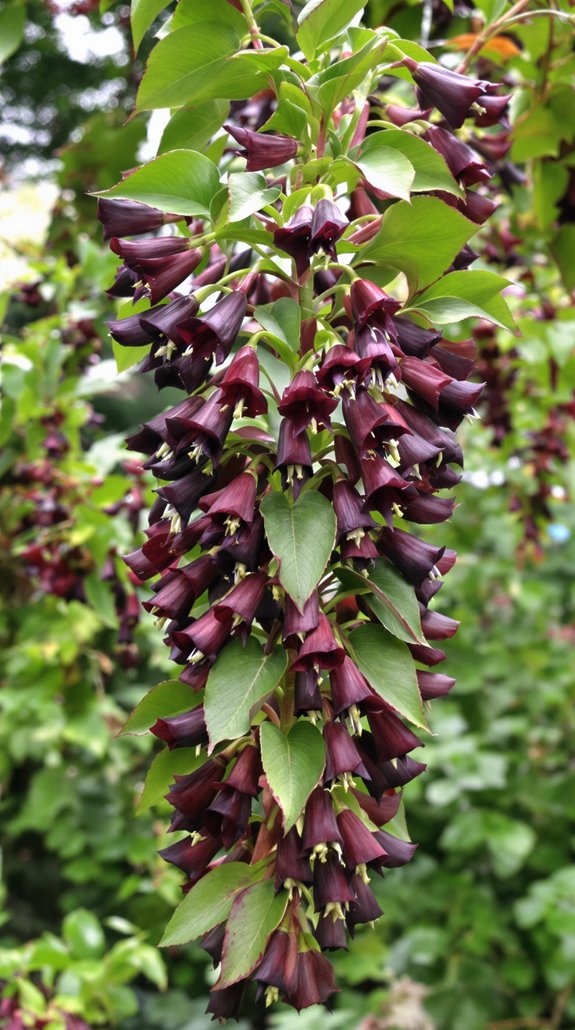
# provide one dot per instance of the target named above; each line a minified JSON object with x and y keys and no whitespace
{"x":327,"y":226}
{"x":130,"y":217}
{"x":185,"y":730}
{"x":263,"y":150}
{"x":215,"y":332}
{"x":305,"y":404}
{"x":240,"y":384}
{"x":451,"y":93}
{"x":320,"y":650}
{"x":294,"y":238}
{"x":359,"y":843}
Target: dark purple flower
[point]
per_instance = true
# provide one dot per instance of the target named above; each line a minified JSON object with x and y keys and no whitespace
{"x":451,"y":93}
{"x":294,"y":238}
{"x":246,"y":772}
{"x":205,"y":432}
{"x":463,"y":163}
{"x":383,"y":486}
{"x":130,"y":218}
{"x":129,"y":332}
{"x":437,"y":626}
{"x":401,"y":116}
{"x":353,"y":522}
{"x":293,"y":456}
{"x":207,"y":635}
{"x":185,"y":730}
{"x":225,"y":1003}
{"x":216,"y":331}
{"x":368,"y":300}
{"x":191,"y":794}
{"x":339,"y":368}
{"x":494,"y":110}
{"x":163,"y":274}
{"x":399,"y":852}
{"x":298,"y":623}
{"x":133,"y":251}
{"x":371,"y":424}
{"x":320,"y":825}
{"x":412,"y":339}
{"x":381,"y":811}
{"x":305,"y":403}
{"x":228,"y":815}
{"x":327,"y":226}
{"x":330,"y":931}
{"x":414,"y":557}
{"x":347,"y":686}
{"x":160,"y":323}
{"x":263,"y":150}
{"x":390,"y":736}
{"x":243,"y":600}
{"x":320,"y":649}
{"x":359,"y":843}
{"x":330,"y":882}
{"x":413,"y":450}
{"x":424,"y":379}
{"x":280,"y":963}
{"x":192,"y":855}
{"x":364,"y":908}
{"x":240,"y":384}
{"x":476,"y":207}
{"x":315,"y":981}
{"x":427,"y":510}
{"x":236,"y":502}
{"x":185,"y":493}
{"x":341,"y":754}
{"x":307,"y":695}
{"x":433,"y":684}
{"x":291,"y":866}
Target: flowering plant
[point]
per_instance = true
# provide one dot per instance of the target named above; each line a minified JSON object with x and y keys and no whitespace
{"x":312,"y":207}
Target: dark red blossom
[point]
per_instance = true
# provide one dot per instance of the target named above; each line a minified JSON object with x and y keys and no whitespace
{"x":263,"y":150}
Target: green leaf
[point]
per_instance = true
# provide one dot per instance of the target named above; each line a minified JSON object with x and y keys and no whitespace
{"x":419,"y":239}
{"x":101,"y":598}
{"x":255,"y":914}
{"x":387,"y":170}
{"x":321,"y":20}
{"x":293,"y":113}
{"x":329,"y":87}
{"x":536,"y":134}
{"x":83,"y":934}
{"x":431,"y":171}
{"x":127,"y":357}
{"x":166,"y":699}
{"x":12,"y":21}
{"x":238,"y":684}
{"x":562,"y":248}
{"x":181,"y":182}
{"x":209,"y":901}
{"x":394,"y":602}
{"x":162,"y":771}
{"x":217,"y":12}
{"x":283,"y":319}
{"x":248,"y":193}
{"x":389,"y":668}
{"x":302,"y":537}
{"x":143,"y":14}
{"x":466,"y":294}
{"x":190,"y":65}
{"x":293,"y":765}
{"x":193,"y":127}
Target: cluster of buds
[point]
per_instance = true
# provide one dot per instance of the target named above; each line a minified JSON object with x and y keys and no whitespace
{"x":368,"y":420}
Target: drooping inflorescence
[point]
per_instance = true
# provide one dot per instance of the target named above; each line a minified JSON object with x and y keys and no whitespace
{"x":314,"y":440}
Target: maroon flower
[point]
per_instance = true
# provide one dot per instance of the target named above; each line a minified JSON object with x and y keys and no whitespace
{"x":398,"y":852}
{"x":242,"y":602}
{"x":191,"y":794}
{"x":315,"y":981}
{"x":216,"y":331}
{"x":424,"y":379}
{"x":291,"y":866}
{"x":279,"y":966}
{"x":340,"y":367}
{"x":462,"y":161}
{"x":330,"y":931}
{"x":359,"y":843}
{"x":305,"y":404}
{"x":192,"y":857}
{"x":330,"y":882}
{"x":342,"y":756}
{"x":320,"y":825}
{"x":263,"y":150}
{"x":433,"y":684}
{"x":246,"y":772}
{"x":307,"y":695}
{"x":207,"y":635}
{"x":348,"y":686}
{"x":293,"y":456}
{"x":294,"y":238}
{"x":186,"y":730}
{"x":368,"y":300}
{"x":298,"y":623}
{"x":364,"y":908}
{"x":225,"y":1003}
{"x":414,"y":557}
{"x":327,"y":226}
{"x":451,"y":93}
{"x":236,"y":502}
{"x":130,"y":218}
{"x":412,"y":339}
{"x":240,"y":384}
{"x":371,"y":424}
{"x":320,"y":649}
{"x":163,"y":274}
{"x":390,"y":736}
{"x":352,"y":519}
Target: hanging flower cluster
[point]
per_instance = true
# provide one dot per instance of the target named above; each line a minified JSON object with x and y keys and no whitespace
{"x":314,"y":439}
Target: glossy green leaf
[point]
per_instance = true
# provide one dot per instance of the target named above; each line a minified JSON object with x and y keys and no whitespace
{"x":162,"y":771}
{"x":83,"y":934}
{"x":394,"y":602}
{"x":329,"y":87}
{"x":192,"y":127}
{"x":302,"y":537}
{"x":142,"y":14}
{"x":238,"y":684}
{"x":216,"y":12}
{"x":283,"y":319}
{"x":192,"y":66}
{"x":293,"y":765}
{"x":387,"y":170}
{"x":182,"y":182}
{"x":100,"y":596}
{"x":320,"y":20}
{"x":419,"y":239}
{"x":12,"y":22}
{"x":209,"y":902}
{"x":166,"y":699}
{"x":255,"y":914}
{"x":431,"y":171}
{"x":293,"y":113}
{"x":389,"y":668}
{"x":466,"y":294}
{"x":248,"y":193}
